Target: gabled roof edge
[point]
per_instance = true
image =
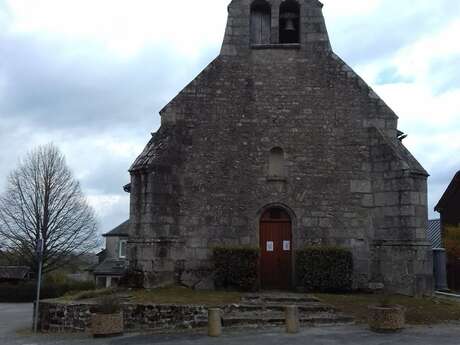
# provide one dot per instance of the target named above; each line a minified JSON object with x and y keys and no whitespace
{"x":453,"y":187}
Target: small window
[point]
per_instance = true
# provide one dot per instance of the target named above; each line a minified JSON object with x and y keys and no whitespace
{"x":122,"y":248}
{"x":276,"y":163}
{"x":261,"y":15}
{"x":101,"y":282}
{"x":289,"y":22}
{"x":114,"y":281}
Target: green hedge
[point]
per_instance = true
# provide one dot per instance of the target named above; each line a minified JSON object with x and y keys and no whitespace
{"x":325,"y":269}
{"x":236,"y":268}
{"x":132,"y":279}
{"x":25,"y":292}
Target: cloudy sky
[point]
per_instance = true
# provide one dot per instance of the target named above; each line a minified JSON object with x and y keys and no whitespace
{"x":91,"y":76}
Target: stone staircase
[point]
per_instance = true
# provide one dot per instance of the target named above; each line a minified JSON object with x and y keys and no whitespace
{"x":267,"y":309}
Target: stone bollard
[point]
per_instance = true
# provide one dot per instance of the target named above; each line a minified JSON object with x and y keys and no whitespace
{"x":292,"y":319}
{"x":214,"y":322}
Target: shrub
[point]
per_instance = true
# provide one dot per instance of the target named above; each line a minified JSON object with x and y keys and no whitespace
{"x":108,"y":304}
{"x":132,"y":278}
{"x":236,"y":268}
{"x":26,"y":292}
{"x":325,"y":269}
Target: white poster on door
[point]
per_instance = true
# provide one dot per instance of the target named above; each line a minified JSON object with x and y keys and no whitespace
{"x":286,"y":246}
{"x":270,"y":246}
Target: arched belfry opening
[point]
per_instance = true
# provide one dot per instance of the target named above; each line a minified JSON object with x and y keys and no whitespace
{"x":289,"y":22}
{"x":261,"y":15}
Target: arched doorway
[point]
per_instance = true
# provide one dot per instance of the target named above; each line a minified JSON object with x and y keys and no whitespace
{"x":276,"y":249}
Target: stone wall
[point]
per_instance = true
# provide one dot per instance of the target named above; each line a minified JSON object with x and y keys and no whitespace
{"x":70,"y":317}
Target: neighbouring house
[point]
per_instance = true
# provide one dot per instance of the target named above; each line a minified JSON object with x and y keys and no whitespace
{"x":449,"y":204}
{"x":449,"y":210}
{"x":113,"y":259}
{"x":434,"y":233}
{"x":14,"y":274}
{"x":279,"y":144}
{"x":84,"y":271}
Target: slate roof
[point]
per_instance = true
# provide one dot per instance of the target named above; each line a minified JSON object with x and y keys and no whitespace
{"x":452,"y":189}
{"x":120,"y":230}
{"x":159,"y":142}
{"x":111,"y":267}
{"x":434,"y":233}
{"x":162,"y":149}
{"x":403,"y":154}
{"x":14,"y":272}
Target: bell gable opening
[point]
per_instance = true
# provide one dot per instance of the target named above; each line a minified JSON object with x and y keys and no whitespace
{"x":261,"y":14}
{"x":289,"y":24}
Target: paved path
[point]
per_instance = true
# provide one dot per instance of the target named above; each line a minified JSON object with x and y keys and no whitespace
{"x":18,"y":316}
{"x":14,"y":317}
{"x":343,"y":335}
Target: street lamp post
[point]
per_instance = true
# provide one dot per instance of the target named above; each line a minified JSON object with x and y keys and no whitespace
{"x":40,"y":245}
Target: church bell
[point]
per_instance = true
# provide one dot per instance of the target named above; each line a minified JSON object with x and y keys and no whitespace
{"x":289,"y":25}
{"x":289,"y":21}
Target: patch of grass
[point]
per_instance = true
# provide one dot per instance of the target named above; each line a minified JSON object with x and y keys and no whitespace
{"x":420,"y":311}
{"x":167,"y":295}
{"x":181,"y":295}
{"x":88,"y":294}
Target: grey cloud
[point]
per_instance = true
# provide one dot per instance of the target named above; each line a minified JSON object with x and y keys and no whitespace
{"x":51,"y":93}
{"x":119,"y":212}
{"x":392,"y":26}
{"x":54,"y":90}
{"x":108,"y":175}
{"x":442,"y":172}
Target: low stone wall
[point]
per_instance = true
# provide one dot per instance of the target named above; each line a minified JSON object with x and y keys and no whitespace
{"x":74,"y":317}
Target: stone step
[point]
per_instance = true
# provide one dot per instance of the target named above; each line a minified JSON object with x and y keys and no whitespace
{"x":267,"y":309}
{"x":306,"y":307}
{"x":282,"y":299}
{"x":278,"y":319}
{"x":277,"y":314}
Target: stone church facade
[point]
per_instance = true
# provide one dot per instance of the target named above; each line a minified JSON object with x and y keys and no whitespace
{"x":278,"y":144}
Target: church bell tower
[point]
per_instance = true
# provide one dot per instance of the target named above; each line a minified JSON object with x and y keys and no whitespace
{"x":275,"y":24}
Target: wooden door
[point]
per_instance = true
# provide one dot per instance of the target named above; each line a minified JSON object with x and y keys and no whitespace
{"x":276,"y":250}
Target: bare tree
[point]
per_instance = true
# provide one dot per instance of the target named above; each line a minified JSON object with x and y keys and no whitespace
{"x":43,"y":200}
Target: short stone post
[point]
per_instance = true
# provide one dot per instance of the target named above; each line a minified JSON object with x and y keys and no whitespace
{"x":214,"y":322}
{"x":292,"y":319}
